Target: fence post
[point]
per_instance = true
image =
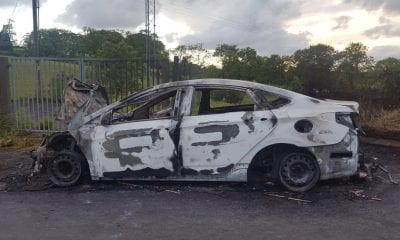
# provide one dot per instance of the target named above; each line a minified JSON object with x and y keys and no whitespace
{"x":4,"y":86}
{"x":82,"y":70}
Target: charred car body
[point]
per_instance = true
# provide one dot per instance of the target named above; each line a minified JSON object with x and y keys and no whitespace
{"x":206,"y":130}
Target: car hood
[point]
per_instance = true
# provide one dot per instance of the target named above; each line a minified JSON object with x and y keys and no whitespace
{"x":79,"y":100}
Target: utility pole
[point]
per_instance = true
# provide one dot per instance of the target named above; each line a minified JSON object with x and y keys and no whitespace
{"x":35,"y":11}
{"x":154,"y":40}
{"x":147,"y":11}
{"x":150,"y":9}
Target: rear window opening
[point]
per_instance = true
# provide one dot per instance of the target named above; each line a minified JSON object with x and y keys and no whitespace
{"x":272,"y":101}
{"x":215,"y":101}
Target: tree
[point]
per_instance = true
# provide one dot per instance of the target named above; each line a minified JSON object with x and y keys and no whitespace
{"x":355,"y":54}
{"x":195,"y":54}
{"x":6,"y":39}
{"x":238,"y":63}
{"x":94,"y":39}
{"x":55,"y":43}
{"x":118,"y":50}
{"x":138,"y":42}
{"x":314,"y":68}
{"x":353,"y":68}
{"x":388,"y":71}
{"x":272,"y":70}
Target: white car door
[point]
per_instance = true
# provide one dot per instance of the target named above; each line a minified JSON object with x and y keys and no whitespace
{"x":222,"y":128}
{"x":138,"y":144}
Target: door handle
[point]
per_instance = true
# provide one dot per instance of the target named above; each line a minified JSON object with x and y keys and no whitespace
{"x":263,"y":119}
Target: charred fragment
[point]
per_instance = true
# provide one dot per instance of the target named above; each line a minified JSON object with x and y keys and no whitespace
{"x":145,"y":172}
{"x":228,"y":132}
{"x":225,"y":169}
{"x":206,"y":172}
{"x":79,"y":96}
{"x":189,"y":171}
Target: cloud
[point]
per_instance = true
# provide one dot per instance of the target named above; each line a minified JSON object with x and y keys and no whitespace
{"x":389,"y":6}
{"x":342,"y":22}
{"x":104,"y":13}
{"x":382,"y":52}
{"x":12,"y":3}
{"x":257,"y":23}
{"x":387,"y":30}
{"x":260,"y":24}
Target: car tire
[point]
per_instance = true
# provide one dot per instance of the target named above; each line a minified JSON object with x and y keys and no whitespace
{"x":65,"y":169}
{"x":298,"y":171}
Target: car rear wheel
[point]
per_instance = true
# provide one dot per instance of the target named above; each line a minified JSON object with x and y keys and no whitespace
{"x":65,"y":169}
{"x":298,"y":171}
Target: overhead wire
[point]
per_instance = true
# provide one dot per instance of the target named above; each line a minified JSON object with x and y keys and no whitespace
{"x":15,"y":8}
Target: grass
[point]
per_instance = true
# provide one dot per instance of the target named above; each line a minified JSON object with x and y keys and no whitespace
{"x":53,"y":77}
{"x":378,"y":122}
{"x":12,"y":139}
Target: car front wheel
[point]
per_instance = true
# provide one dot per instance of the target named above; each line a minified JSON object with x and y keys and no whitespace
{"x":65,"y":169}
{"x":298,"y":171}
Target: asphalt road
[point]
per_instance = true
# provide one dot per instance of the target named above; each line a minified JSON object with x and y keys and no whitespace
{"x":232,"y":213}
{"x":341,"y":209}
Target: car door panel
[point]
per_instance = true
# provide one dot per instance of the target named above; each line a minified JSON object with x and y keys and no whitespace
{"x":135,"y":146}
{"x":216,"y":142}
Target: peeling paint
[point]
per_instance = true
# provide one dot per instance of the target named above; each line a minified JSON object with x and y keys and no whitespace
{"x":248,"y":119}
{"x":216,"y":153}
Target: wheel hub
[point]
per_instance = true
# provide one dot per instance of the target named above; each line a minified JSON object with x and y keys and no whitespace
{"x":297,"y":170}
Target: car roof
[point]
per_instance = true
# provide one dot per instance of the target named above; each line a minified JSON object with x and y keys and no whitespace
{"x":227,"y":82}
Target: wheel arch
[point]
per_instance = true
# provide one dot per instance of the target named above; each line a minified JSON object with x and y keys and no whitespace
{"x":272,"y":153}
{"x":62,"y":141}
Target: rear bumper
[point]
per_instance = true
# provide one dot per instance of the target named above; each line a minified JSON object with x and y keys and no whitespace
{"x":338,"y":160}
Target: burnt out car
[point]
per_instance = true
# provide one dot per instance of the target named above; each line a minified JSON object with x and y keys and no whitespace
{"x":202,"y":130}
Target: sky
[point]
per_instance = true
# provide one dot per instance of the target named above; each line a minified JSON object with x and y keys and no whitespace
{"x":269,"y":26}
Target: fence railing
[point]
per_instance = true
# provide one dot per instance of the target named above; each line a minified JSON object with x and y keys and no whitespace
{"x":36,"y":84}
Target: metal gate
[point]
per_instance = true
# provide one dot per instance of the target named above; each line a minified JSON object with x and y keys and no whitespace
{"x":36,"y":84}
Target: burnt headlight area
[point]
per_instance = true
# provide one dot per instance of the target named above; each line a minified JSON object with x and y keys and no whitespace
{"x":346,"y":119}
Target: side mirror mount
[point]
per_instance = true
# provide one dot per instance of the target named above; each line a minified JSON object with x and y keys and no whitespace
{"x":106,"y":118}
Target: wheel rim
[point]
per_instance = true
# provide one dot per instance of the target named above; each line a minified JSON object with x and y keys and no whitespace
{"x":65,"y":169}
{"x":298,"y":170}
